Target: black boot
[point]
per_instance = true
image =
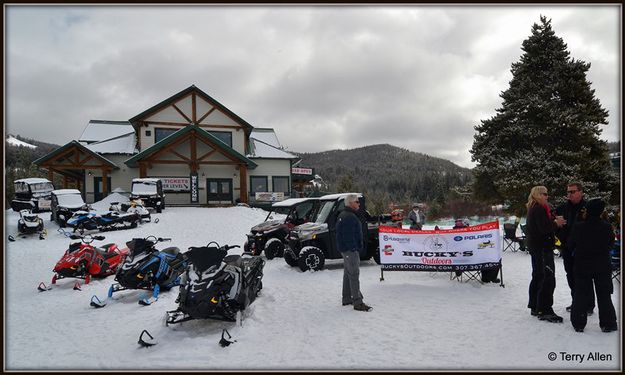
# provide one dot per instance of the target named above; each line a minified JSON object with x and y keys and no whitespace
{"x":550,"y":316}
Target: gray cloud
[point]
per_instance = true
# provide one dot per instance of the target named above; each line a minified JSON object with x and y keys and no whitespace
{"x":419,"y":77}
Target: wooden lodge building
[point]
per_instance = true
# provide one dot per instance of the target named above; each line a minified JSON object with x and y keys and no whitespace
{"x":187,"y":137}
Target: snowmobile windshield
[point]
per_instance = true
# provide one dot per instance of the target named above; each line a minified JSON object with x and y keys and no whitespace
{"x":70,"y":200}
{"x":205,"y":257}
{"x":144,"y":187}
{"x":324,"y":211}
{"x":139,"y":245}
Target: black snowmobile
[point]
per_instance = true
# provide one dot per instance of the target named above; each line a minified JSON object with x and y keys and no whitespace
{"x":216,"y":285}
{"x":145,"y":267}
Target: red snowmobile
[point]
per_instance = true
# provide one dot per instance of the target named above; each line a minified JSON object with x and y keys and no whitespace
{"x":83,"y":260}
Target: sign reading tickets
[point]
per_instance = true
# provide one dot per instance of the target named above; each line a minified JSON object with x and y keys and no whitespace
{"x":175,"y":183}
{"x":471,"y":248}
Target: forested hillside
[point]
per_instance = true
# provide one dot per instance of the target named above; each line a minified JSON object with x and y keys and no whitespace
{"x":18,"y":163}
{"x":389,"y":174}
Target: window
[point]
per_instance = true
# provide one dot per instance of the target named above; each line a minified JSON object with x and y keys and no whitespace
{"x":280,"y":184}
{"x":225,"y":137}
{"x":258,"y":184}
{"x":162,"y":133}
{"x":148,"y":133}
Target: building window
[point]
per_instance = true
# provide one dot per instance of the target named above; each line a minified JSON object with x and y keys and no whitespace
{"x":258,"y":184}
{"x":280,"y":184}
{"x":148,"y":133}
{"x":161,"y":133}
{"x":225,"y":137}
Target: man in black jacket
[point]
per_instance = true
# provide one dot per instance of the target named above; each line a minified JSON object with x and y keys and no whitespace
{"x":349,"y":241}
{"x":591,"y":242}
{"x":572,"y":211}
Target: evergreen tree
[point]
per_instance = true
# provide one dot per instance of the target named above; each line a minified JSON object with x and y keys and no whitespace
{"x":547,"y":130}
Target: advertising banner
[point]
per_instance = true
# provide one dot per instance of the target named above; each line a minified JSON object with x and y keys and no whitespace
{"x":269,"y":197}
{"x":465,"y":249}
{"x":173,"y":184}
{"x":194,"y":188}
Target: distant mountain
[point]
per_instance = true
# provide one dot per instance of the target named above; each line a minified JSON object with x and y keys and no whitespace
{"x":383,"y":170}
{"x":16,"y":142}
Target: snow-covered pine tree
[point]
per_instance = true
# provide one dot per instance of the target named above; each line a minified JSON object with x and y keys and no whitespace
{"x":547,"y":130}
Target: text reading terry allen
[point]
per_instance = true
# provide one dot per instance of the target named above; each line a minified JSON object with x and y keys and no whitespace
{"x":579,"y":357}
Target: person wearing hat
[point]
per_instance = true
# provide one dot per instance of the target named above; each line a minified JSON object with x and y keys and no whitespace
{"x":590,"y":242}
{"x":416,"y":217}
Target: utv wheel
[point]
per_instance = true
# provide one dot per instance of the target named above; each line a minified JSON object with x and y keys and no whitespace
{"x":290,"y":258}
{"x":311,"y":258}
{"x":274,"y":248}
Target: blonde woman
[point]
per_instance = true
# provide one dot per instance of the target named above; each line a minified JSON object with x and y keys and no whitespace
{"x":541,"y":227}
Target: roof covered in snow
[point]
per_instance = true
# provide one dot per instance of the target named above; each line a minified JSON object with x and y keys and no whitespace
{"x":124,"y":144}
{"x":338,"y":196}
{"x":291,"y":202}
{"x":264,"y":144}
{"x":65,"y":191}
{"x":102,"y":130}
{"x":33,"y":180}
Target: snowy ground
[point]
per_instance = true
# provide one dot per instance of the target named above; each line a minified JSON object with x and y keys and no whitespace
{"x":420,"y":321}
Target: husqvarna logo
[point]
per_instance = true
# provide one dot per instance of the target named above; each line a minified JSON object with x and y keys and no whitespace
{"x":396,"y":239}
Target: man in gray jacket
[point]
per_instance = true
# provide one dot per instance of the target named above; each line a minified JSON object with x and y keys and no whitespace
{"x":349,"y":241}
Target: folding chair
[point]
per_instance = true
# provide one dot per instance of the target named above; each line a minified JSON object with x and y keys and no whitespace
{"x":510,"y":238}
{"x":615,"y":254}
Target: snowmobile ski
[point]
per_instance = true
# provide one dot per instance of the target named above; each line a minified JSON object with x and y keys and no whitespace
{"x":11,"y":238}
{"x":96,"y":302}
{"x":146,"y":342}
{"x":224,"y":342}
{"x":43,"y":287}
{"x":77,"y":286}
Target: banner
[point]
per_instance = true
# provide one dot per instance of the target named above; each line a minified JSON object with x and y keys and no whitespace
{"x":465,"y":249}
{"x":172,"y":184}
{"x":194,"y":188}
{"x":269,"y":197}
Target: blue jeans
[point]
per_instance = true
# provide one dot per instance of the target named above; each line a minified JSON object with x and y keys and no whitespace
{"x":351,"y":274}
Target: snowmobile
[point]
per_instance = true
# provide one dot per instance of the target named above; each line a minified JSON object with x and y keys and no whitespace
{"x":83,"y":221}
{"x":134,"y":206}
{"x":217,"y":285}
{"x":82,"y":260}
{"x":147,"y":268}
{"x":29,"y":223}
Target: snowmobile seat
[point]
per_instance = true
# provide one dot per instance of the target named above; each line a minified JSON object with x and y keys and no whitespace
{"x":234,"y":260}
{"x":171,"y":250}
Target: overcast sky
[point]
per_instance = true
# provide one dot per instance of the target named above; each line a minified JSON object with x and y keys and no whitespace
{"x":324,"y":77}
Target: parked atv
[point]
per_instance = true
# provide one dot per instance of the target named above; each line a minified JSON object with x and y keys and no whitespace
{"x":145,"y":267}
{"x":270,"y":235}
{"x":32,"y":194}
{"x":83,"y":260}
{"x":216,"y":285}
{"x":310,"y":244}
{"x":64,"y":203}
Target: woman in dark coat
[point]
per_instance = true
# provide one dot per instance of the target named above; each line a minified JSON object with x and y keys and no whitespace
{"x":590,"y":242}
{"x":541,"y":227}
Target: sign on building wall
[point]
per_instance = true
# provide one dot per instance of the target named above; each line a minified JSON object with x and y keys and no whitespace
{"x":269,"y":197}
{"x":307,"y":171}
{"x":171,"y":184}
{"x":194,"y":188}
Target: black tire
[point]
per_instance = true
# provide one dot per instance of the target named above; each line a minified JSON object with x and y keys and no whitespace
{"x":366,"y":256}
{"x":275,"y":249}
{"x":246,"y":247}
{"x":311,"y":258}
{"x":290,"y":258}
{"x":376,"y":255}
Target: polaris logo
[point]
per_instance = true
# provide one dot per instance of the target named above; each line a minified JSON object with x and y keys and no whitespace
{"x":475,"y":237}
{"x":458,"y":238}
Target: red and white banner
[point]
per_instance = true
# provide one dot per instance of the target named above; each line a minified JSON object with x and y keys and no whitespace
{"x":465,"y":249}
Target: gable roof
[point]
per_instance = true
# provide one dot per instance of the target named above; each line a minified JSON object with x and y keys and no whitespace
{"x":78,"y":145}
{"x":181,"y":95}
{"x":123,"y":144}
{"x":102,"y":130}
{"x":266,"y":135}
{"x":262,"y":150}
{"x":132,"y":162}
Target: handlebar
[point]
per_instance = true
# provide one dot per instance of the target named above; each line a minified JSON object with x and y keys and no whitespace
{"x":87,"y":238}
{"x":156,"y":240}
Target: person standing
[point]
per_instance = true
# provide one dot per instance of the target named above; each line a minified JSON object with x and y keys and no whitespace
{"x":349,"y":241}
{"x":541,"y":227}
{"x":572,"y":211}
{"x":416,"y":217}
{"x":590,"y":242}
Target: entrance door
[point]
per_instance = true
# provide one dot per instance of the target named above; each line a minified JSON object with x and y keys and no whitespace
{"x":219,"y":190}
{"x":97,"y":188}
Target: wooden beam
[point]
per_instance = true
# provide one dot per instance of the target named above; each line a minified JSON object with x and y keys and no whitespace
{"x":193,"y":110}
{"x":207,"y":155}
{"x":181,"y":124}
{"x":50,"y":174}
{"x":219,"y":126}
{"x":206,"y":115}
{"x":105,"y":185}
{"x":243,"y":183}
{"x":180,"y":156}
{"x":142,"y":170}
{"x":182,"y":114}
{"x":168,"y":148}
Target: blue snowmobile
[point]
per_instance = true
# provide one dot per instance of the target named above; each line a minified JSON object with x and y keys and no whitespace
{"x":145,"y":267}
